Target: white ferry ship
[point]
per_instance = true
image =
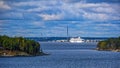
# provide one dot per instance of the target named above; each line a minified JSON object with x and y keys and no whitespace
{"x":76,"y":40}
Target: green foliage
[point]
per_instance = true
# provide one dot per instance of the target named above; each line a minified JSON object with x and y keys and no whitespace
{"x":103,"y":45}
{"x":19,"y":43}
{"x":112,"y":43}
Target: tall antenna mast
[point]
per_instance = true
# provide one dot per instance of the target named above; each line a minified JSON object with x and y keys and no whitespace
{"x":67,"y":30}
{"x":67,"y":33}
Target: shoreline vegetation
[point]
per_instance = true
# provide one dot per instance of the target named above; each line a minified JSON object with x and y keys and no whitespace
{"x":112,"y":44}
{"x":18,"y":46}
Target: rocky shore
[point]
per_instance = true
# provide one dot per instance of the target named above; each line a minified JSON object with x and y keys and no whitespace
{"x":13,"y":53}
{"x":8,"y":53}
{"x":114,"y":50}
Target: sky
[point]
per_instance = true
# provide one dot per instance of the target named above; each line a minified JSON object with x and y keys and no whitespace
{"x":50,"y":18}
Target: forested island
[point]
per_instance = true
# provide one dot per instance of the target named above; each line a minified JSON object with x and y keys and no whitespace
{"x":18,"y":46}
{"x":112,"y":44}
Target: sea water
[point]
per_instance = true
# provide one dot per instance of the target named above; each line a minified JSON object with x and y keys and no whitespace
{"x":66,"y":55}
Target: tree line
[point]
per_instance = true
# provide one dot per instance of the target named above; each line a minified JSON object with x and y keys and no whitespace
{"x":20,"y":44}
{"x":109,"y":44}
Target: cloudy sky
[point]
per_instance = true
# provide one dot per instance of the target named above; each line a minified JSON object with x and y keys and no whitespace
{"x":36,"y":18}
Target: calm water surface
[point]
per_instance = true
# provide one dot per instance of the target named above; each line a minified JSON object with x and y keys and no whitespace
{"x":66,"y":55}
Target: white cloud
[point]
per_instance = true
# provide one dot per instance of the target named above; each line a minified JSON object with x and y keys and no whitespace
{"x":96,"y":16}
{"x":104,"y":9}
{"x":64,"y":10}
{"x":93,"y":11}
{"x":36,"y":9}
{"x":39,"y":24}
{"x":90,"y":5}
{"x":37,"y":3}
{"x":100,"y":16}
{"x":51,"y":17}
{"x":108,"y":24}
{"x":114,"y":26}
{"x":107,"y":27}
{"x":4,"y":6}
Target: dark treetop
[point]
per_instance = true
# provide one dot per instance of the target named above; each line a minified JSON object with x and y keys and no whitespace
{"x":19,"y":44}
{"x":109,"y":44}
